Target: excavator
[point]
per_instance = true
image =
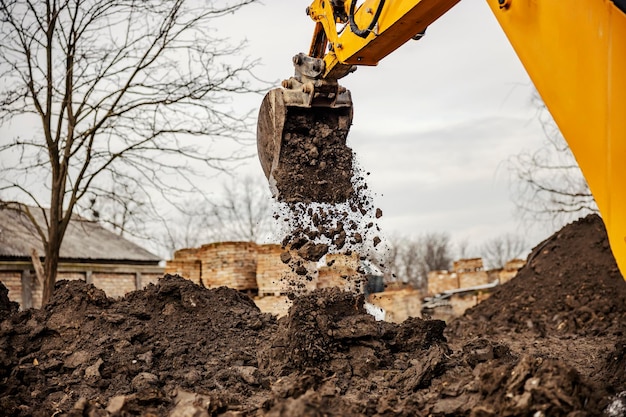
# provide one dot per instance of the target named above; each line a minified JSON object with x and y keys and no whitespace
{"x":574,"y":52}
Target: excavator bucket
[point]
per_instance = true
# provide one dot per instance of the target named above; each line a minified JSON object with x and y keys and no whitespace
{"x":302,"y":145}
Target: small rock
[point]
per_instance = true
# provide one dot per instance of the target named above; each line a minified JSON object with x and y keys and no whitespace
{"x":285,"y":257}
{"x":76,"y":359}
{"x":192,"y":377}
{"x":146,"y":357}
{"x":116,"y":404}
{"x":93,"y":371}
{"x":250,"y":374}
{"x":144,"y":380}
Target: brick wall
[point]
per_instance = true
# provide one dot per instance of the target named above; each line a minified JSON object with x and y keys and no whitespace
{"x":114,"y":285}
{"x":471,"y":272}
{"x":188,"y":254}
{"x":277,"y":305}
{"x":399,"y":305}
{"x":273,"y":277}
{"x":472,"y":279}
{"x":109,"y":278}
{"x":340,"y":271}
{"x":231,"y":264}
{"x":440,"y":281}
{"x":187,"y":268}
{"x":13,"y":281}
{"x":147,"y":279}
{"x":510,"y":270}
{"x":468,"y":265}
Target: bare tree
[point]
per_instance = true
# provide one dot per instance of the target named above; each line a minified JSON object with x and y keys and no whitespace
{"x":188,"y":228}
{"x":119,"y":207}
{"x":548,"y":184}
{"x":410,"y":259}
{"x":499,"y":250}
{"x":242,"y":212}
{"x":138,"y":88}
{"x":436,"y":252}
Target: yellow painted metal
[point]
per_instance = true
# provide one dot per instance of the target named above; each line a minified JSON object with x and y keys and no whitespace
{"x":575,"y":54}
{"x":399,"y":21}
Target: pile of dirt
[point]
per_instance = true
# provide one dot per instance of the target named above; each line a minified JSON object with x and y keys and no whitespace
{"x":133,"y":355}
{"x":570,"y":285}
{"x":176,"y":349}
{"x":569,"y":301}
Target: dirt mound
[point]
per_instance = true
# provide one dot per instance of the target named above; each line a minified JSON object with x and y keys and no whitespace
{"x":568,"y":302}
{"x":570,"y":285}
{"x":176,"y":349}
{"x":144,"y":347}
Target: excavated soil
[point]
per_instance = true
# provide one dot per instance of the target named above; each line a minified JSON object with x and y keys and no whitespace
{"x":315,"y":165}
{"x":324,"y":203}
{"x":551,"y":342}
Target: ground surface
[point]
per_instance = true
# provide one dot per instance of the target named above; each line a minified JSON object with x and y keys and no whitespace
{"x":551,"y":342}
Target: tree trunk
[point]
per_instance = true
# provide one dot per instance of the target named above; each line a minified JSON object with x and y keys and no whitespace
{"x":50,"y":270}
{"x":56,"y":230}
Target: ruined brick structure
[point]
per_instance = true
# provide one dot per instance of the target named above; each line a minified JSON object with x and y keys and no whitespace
{"x":231,"y":264}
{"x":470,"y":273}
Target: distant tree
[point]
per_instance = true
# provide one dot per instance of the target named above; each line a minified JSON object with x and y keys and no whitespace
{"x":436,"y":252}
{"x":114,"y":86}
{"x":548,"y":185}
{"x":242,"y":212}
{"x":410,"y":259}
{"x":187,"y":228}
{"x":498,"y":251}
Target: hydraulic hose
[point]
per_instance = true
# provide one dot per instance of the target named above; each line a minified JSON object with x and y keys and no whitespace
{"x":362,"y":33}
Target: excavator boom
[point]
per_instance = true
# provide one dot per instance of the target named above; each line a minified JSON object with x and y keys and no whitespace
{"x":574,"y":52}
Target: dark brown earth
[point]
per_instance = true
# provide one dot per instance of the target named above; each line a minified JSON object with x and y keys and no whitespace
{"x":324,"y":200}
{"x":551,"y":342}
{"x":315,"y":165}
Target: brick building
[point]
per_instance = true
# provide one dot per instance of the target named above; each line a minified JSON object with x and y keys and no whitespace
{"x":450,"y":293}
{"x":259,"y":271}
{"x":89,"y":252}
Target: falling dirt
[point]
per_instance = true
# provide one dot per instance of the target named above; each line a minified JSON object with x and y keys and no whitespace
{"x":325,"y":205}
{"x":551,"y":342}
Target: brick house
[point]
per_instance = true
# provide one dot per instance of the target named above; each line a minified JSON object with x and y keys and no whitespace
{"x":89,"y":252}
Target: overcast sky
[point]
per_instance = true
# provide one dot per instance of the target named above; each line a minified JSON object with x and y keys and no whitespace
{"x":434,"y":122}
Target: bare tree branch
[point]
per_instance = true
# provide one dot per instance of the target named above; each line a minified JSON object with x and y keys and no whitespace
{"x":498,"y":251}
{"x":548,"y":186}
{"x":410,"y":259}
{"x":120,"y":90}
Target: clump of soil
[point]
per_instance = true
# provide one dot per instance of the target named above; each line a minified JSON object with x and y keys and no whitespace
{"x":315,"y":165}
{"x":177,"y":349}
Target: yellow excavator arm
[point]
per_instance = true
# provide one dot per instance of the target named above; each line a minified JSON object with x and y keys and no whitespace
{"x":574,"y":52}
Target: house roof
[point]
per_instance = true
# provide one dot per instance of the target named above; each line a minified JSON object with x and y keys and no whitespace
{"x":84,"y":240}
